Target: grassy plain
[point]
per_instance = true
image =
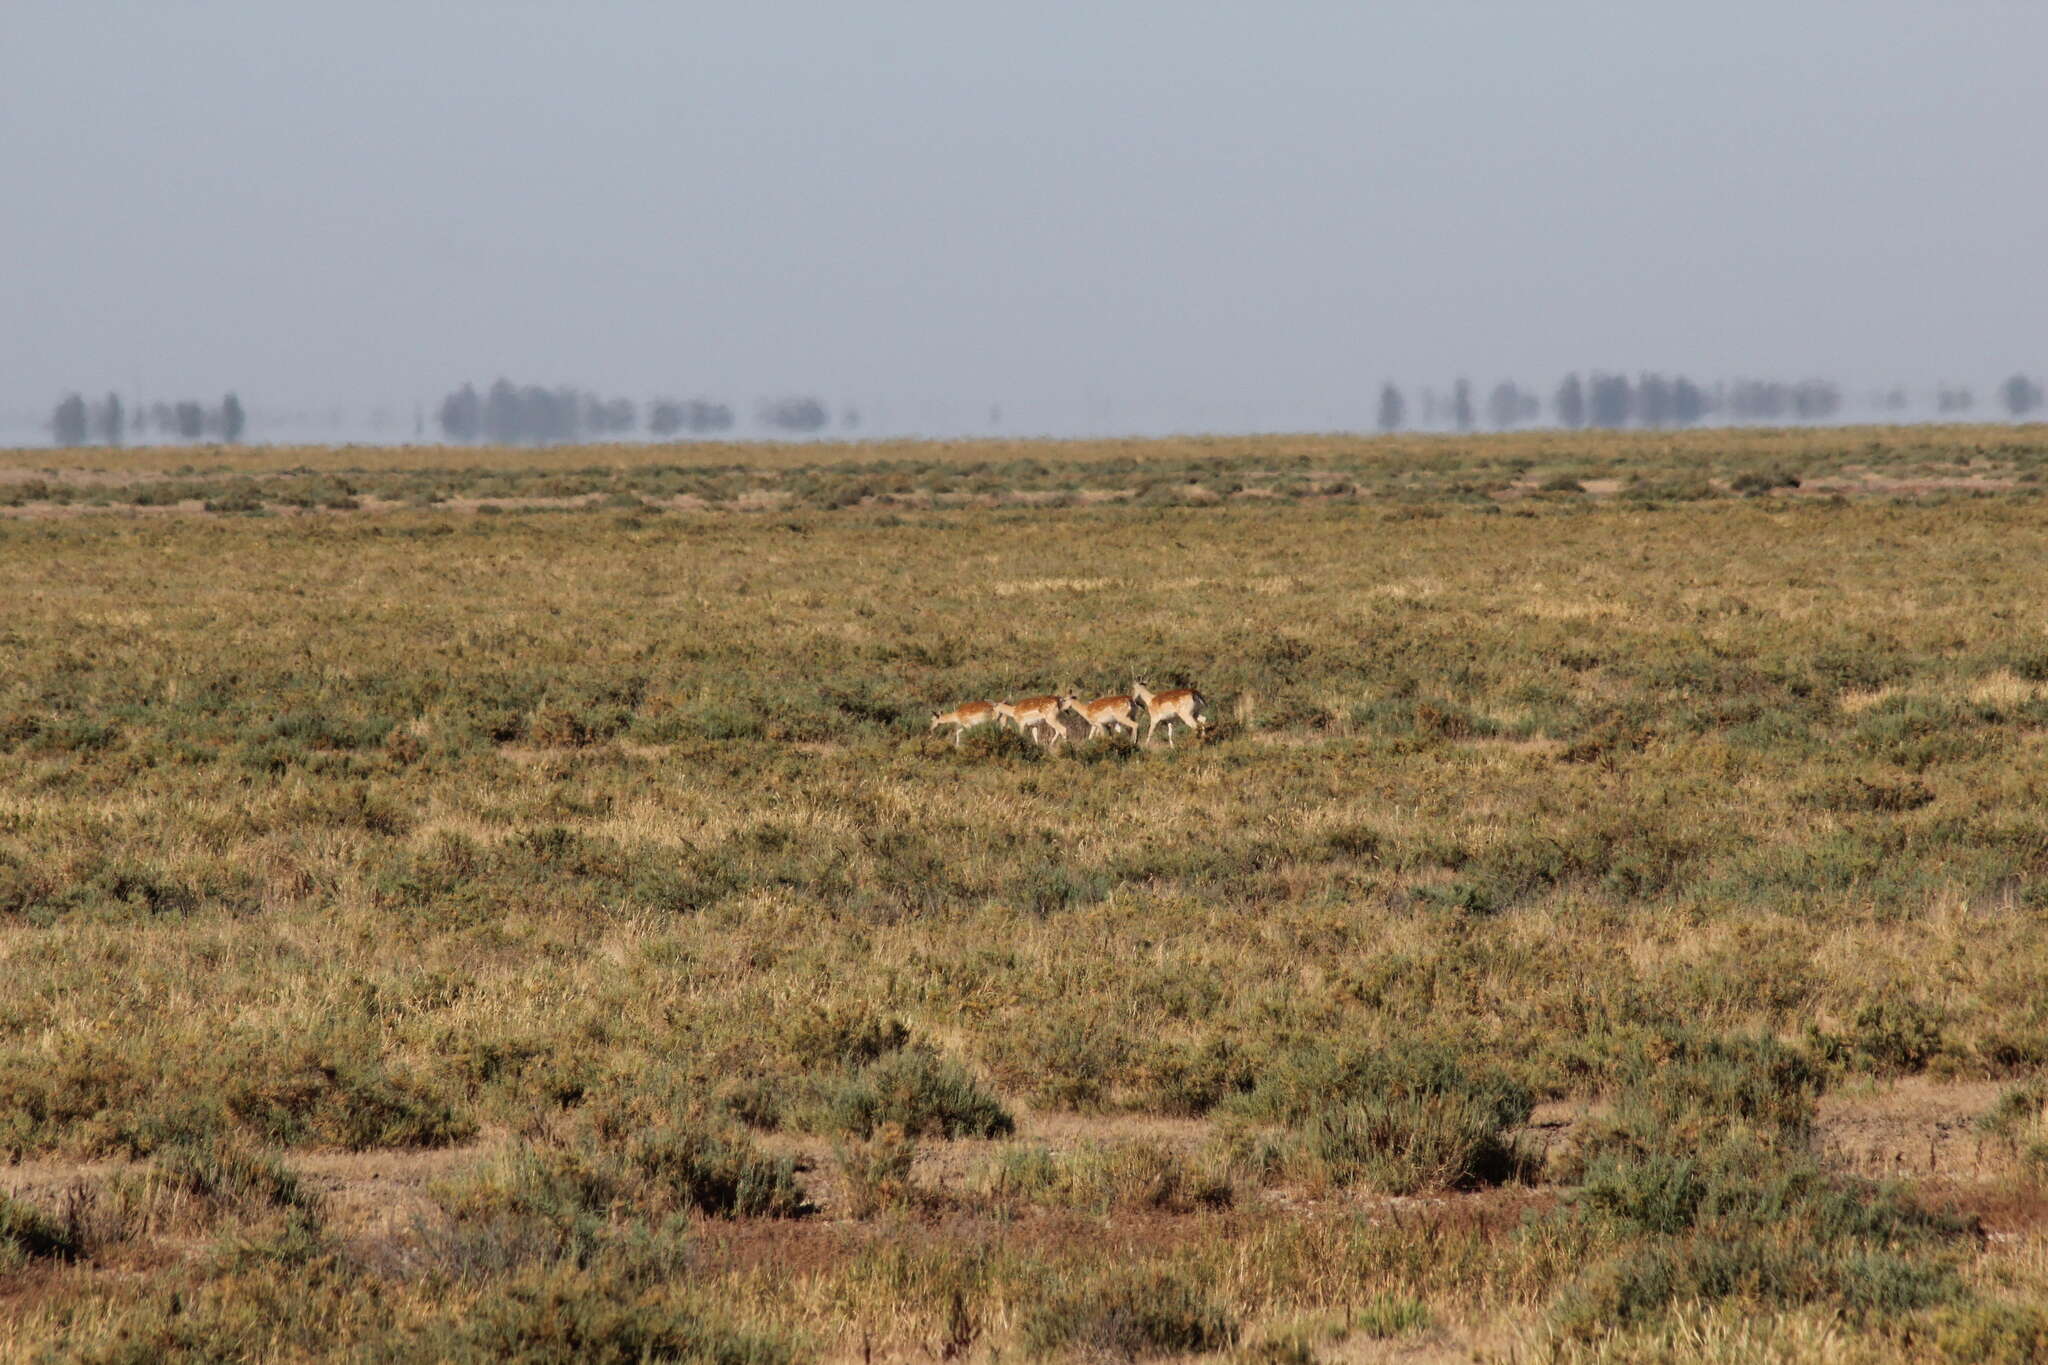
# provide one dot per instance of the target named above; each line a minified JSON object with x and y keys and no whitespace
{"x":1597,"y":830}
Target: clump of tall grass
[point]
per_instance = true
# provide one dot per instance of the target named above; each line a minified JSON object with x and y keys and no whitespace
{"x":1395,"y":1120}
{"x":2020,"y":1119}
{"x":915,"y":1091}
{"x":1689,"y":1093}
{"x":27,"y":1233}
{"x":559,"y":1314}
{"x":326,"y":1086}
{"x":1127,"y":1316}
{"x":1103,"y":1178}
{"x":584,"y":1200}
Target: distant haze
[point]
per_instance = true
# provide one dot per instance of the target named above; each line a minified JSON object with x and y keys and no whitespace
{"x":1148,"y":216}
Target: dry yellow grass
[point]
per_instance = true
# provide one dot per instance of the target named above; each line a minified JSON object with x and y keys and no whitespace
{"x":569,"y":828}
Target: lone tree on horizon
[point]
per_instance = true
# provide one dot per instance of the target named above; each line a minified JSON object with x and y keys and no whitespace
{"x":2022,"y":395}
{"x":462,"y":414}
{"x":1507,"y":406}
{"x":233,"y":421}
{"x":67,"y":423}
{"x":1571,"y":402}
{"x":1393,"y":408}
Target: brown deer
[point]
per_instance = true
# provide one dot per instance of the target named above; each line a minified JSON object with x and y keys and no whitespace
{"x":964,"y":717}
{"x":1105,"y":714}
{"x":1032,"y":712}
{"x":1182,"y":704}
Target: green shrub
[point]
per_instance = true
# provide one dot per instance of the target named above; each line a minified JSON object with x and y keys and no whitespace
{"x":337,"y":1091}
{"x":1052,"y":885}
{"x":27,"y":1233}
{"x":1703,"y":1092}
{"x":1674,"y":490}
{"x":2020,"y":1117}
{"x":1644,"y":1284}
{"x":1127,"y":1317}
{"x":1389,"y":1315}
{"x":1897,"y":1036}
{"x":1736,"y":1187}
{"x":672,"y":1168}
{"x":687,"y":1166}
{"x":917,"y":1092}
{"x":1302,"y":1081}
{"x":1401,"y":1146}
{"x":844,"y":1037}
{"x":225,"y":1177}
{"x":1190,"y":1080}
{"x":1396,"y":1121}
{"x":588,"y":1201}
{"x":2020,"y":1109}
{"x":1856,"y":795}
{"x":1703,"y":1182}
{"x":564,"y":1317}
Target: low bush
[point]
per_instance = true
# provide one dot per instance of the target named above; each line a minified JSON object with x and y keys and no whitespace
{"x":1393,"y":1120}
{"x":1631,"y":1288}
{"x":221,"y":1176}
{"x":690,"y":1167}
{"x":1402,"y":1146}
{"x":587,"y":1200}
{"x":27,"y":1233}
{"x":2020,"y":1118}
{"x":336,"y":1091}
{"x":1125,"y":1317}
{"x":916,"y":1091}
{"x":1389,"y":1314}
{"x":1687,"y":1094}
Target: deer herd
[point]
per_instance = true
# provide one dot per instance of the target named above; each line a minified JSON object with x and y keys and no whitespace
{"x":1040,"y":717}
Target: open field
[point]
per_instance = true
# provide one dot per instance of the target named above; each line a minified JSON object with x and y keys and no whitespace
{"x":1608,"y":920}
{"x":1204,"y":471}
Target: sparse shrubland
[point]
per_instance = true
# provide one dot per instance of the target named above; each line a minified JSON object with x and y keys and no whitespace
{"x":594,"y":863}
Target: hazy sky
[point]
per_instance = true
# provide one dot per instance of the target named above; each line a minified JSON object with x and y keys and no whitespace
{"x":1169,"y":202}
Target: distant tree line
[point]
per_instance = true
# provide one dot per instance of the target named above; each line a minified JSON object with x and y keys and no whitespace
{"x":514,"y":414}
{"x":108,"y":422}
{"x":533,"y":414}
{"x":671,"y":417}
{"x":1613,"y":401}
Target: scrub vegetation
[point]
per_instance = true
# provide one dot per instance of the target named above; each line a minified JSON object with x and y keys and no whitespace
{"x":1607,"y":919}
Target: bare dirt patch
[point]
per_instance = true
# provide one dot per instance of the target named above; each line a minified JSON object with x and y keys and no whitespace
{"x":1913,"y":1129}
